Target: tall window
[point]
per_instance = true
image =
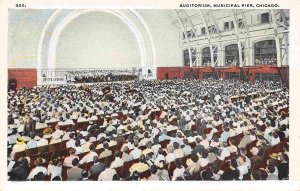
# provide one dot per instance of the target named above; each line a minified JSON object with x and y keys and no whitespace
{"x":241,"y":24}
{"x":206,"y":57}
{"x":232,"y":25}
{"x":213,"y":29}
{"x":186,"y":59}
{"x":191,"y":34}
{"x":203,"y":32}
{"x":232,"y":55}
{"x":265,"y":52}
{"x":265,"y":18}
{"x":226,"y":26}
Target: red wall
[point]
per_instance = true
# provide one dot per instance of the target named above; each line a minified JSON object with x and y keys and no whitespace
{"x":178,"y":72}
{"x":173,"y":72}
{"x":25,"y":77}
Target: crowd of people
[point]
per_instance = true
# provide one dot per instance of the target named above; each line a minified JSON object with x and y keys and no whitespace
{"x":88,"y":76}
{"x":150,"y":130}
{"x":265,"y":61}
{"x":230,"y":62}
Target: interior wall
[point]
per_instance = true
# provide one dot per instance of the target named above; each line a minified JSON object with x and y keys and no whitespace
{"x":165,"y":36}
{"x":24,"y":28}
{"x":178,"y":72}
{"x":97,"y":40}
{"x":25,"y":77}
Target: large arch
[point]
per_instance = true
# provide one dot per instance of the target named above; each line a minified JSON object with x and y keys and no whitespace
{"x":46,"y":50}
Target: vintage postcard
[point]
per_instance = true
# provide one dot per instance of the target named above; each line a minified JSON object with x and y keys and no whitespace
{"x":153,"y":95}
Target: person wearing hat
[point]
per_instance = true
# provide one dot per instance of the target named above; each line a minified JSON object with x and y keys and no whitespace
{"x":47,"y":132}
{"x":19,"y":146}
{"x":141,"y":166}
{"x":106,"y":151}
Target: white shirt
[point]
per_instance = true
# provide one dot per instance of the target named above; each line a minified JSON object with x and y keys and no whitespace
{"x":12,"y":139}
{"x":89,"y":157}
{"x":107,"y":174}
{"x":66,"y":136}
{"x":178,"y":172}
{"x":225,"y":153}
{"x":68,"y":122}
{"x":68,"y":160}
{"x":117,"y":163}
{"x":32,"y":144}
{"x":275,"y":141}
{"x":129,"y":145}
{"x":203,"y":162}
{"x":54,"y":171}
{"x":42,"y":142}
{"x":170,"y":157}
{"x":136,"y":153}
{"x":205,"y":143}
{"x":57,"y":134}
{"x":101,"y":135}
{"x":158,"y":159}
{"x":70,"y":143}
{"x":79,"y":150}
{"x":36,"y":170}
{"x":187,"y":150}
{"x":243,"y":170}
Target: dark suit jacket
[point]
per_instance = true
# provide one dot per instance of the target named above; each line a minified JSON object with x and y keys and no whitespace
{"x":98,"y":168}
{"x":283,"y":171}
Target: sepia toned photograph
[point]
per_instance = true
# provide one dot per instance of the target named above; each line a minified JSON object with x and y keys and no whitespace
{"x":148,"y":95}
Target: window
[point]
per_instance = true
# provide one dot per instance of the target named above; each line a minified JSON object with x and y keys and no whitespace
{"x":265,"y":52}
{"x":191,"y":34}
{"x":206,"y":57}
{"x":267,"y":77}
{"x":226,"y":26}
{"x":232,"y":55}
{"x":209,"y":29}
{"x":203,"y":31}
{"x":241,"y":24}
{"x":186,"y":59}
{"x":213,"y":29}
{"x":232,"y":25}
{"x":232,"y":76}
{"x":265,"y":18}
